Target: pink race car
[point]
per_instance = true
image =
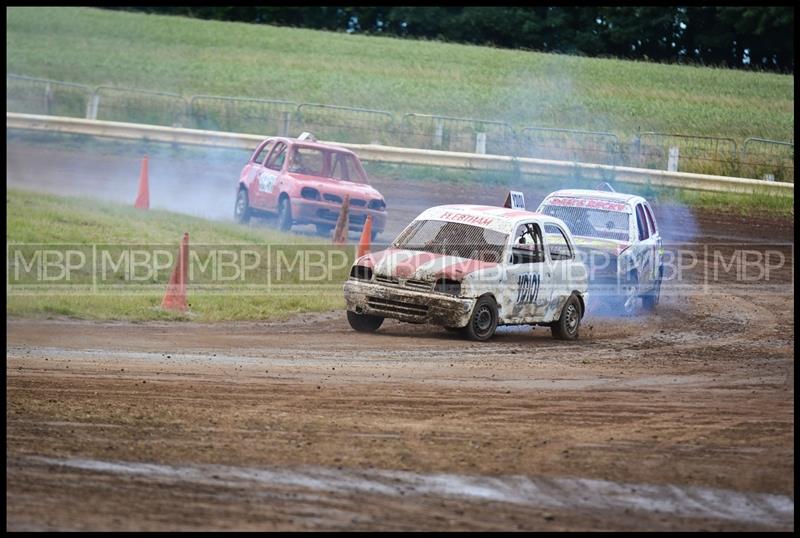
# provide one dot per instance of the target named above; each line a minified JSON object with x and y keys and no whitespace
{"x":305,"y":182}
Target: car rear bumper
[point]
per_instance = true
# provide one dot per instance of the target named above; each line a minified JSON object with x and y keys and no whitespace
{"x":321,"y":212}
{"x":405,"y":305}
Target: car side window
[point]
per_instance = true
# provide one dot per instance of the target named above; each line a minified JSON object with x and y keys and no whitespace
{"x":651,"y":221}
{"x":558,"y":244}
{"x":641,"y":222}
{"x":309,"y":161}
{"x":261,"y":156}
{"x":276,"y":158}
{"x":340,"y":167}
{"x":528,"y":246}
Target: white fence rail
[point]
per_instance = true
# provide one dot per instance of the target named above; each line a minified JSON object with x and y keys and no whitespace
{"x":395,"y":155}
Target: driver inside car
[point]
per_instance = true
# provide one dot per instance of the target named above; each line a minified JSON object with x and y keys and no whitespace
{"x":297,"y":164}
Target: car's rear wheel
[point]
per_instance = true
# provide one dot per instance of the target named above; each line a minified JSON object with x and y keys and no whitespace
{"x":241,"y":212}
{"x":652,"y":298}
{"x":364,"y":323}
{"x":566,"y":328}
{"x":630,"y":294}
{"x":284,"y":214}
{"x":483,"y":321}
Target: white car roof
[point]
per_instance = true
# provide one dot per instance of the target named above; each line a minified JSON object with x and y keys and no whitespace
{"x":601,"y":195}
{"x":620,"y":197}
{"x":501,"y":219}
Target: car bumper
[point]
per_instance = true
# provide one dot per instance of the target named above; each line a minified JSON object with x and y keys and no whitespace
{"x":405,"y":305}
{"x":322,"y":212}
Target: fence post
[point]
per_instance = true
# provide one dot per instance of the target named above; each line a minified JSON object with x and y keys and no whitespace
{"x":672,"y":161}
{"x":48,"y":98}
{"x":91,"y":110}
{"x":480,"y":143}
{"x":637,"y":149}
{"x":438,"y":137}
{"x":285,"y":123}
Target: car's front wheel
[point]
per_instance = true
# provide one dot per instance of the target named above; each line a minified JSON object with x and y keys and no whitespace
{"x":284,"y":215}
{"x":364,"y":323}
{"x":241,"y":212}
{"x":483,"y":321}
{"x":566,"y":327}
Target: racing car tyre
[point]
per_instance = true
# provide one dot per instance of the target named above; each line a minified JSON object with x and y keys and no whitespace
{"x":566,"y":328}
{"x":284,"y":215}
{"x":650,"y":300}
{"x":483,"y":321}
{"x":241,"y":212}
{"x":629,"y":299}
{"x":364,"y":323}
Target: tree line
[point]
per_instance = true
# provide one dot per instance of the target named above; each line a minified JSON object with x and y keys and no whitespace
{"x":735,"y":37}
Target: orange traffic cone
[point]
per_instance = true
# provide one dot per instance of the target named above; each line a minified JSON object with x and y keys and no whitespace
{"x":366,"y":235}
{"x":175,"y":296}
{"x":143,"y":198}
{"x":342,"y":225}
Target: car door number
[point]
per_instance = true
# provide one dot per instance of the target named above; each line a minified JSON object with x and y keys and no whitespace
{"x":528,"y":288}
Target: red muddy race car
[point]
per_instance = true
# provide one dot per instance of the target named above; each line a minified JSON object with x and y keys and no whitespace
{"x":470,"y":268}
{"x":305,"y":182}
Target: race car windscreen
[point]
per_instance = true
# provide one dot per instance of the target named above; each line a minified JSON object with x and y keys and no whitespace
{"x":453,"y":239}
{"x":333,"y":164}
{"x":592,"y":222}
{"x":347,"y":168}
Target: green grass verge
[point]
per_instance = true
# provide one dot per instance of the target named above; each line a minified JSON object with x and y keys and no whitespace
{"x":76,"y":224}
{"x":757,"y":204}
{"x":192,"y":57}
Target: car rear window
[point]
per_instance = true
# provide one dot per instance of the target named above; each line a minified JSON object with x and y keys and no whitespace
{"x":650,"y":219}
{"x":641,"y":222}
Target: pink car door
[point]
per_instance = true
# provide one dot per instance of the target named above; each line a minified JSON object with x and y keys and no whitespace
{"x":267,"y":177}
{"x":251,"y":170}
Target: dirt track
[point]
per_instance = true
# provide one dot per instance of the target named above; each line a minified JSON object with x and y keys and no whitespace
{"x":681,"y":420}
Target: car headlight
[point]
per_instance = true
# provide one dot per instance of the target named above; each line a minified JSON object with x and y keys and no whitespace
{"x":309,"y":193}
{"x":445,"y":285}
{"x":361,"y":272}
{"x":377,"y":204}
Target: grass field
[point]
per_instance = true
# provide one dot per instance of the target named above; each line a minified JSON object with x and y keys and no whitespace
{"x":190,"y":57}
{"x":78,"y":224}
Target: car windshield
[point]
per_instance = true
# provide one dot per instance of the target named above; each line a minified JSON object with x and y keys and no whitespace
{"x":319,"y":162}
{"x":453,"y":239}
{"x":592,"y":222}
